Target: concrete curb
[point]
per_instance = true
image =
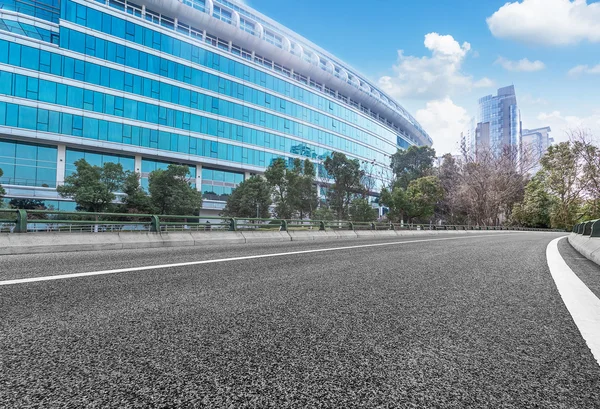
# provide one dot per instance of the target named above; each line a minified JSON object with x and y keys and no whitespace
{"x":589,"y":247}
{"x":308,"y":235}
{"x":265,"y":236}
{"x":15,"y":244}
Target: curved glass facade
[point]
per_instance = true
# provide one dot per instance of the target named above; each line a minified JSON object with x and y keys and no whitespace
{"x":117,"y":81}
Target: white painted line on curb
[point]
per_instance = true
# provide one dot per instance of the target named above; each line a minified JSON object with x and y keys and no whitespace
{"x":193,"y":263}
{"x":582,"y":303}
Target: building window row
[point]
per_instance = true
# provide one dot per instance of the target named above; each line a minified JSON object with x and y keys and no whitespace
{"x":276,"y":40}
{"x":28,"y":30}
{"x":75,"y":97}
{"x":94,"y":73}
{"x":161,"y":66}
{"x":48,"y":10}
{"x":31,"y":118}
{"x":27,"y":164}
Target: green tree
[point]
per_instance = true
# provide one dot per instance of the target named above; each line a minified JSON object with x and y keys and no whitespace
{"x":537,"y":206}
{"x":561,"y":170}
{"x":424,"y":193}
{"x":398,"y":203}
{"x":347,"y":176}
{"x":136,"y":200}
{"x":284,"y":182}
{"x":412,"y":163}
{"x":171,"y":192}
{"x":323,"y":213}
{"x":2,"y":191}
{"x":251,"y":198}
{"x":361,"y":211}
{"x":93,"y":187}
{"x":417,"y":201}
{"x":305,"y":197}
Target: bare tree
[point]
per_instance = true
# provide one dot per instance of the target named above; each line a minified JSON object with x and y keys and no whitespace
{"x":586,"y":150}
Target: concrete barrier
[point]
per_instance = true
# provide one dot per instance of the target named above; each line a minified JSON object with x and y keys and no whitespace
{"x":32,"y":243}
{"x":12,"y":244}
{"x":252,"y":236}
{"x":212,"y":238}
{"x":589,"y":247}
{"x":179,"y":239}
{"x":308,"y":235}
{"x":344,"y":234}
{"x":383,"y":234}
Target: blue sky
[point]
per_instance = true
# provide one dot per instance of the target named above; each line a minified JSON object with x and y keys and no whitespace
{"x":455,"y":51}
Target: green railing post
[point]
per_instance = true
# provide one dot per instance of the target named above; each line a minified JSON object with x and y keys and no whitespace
{"x":284,"y":225}
{"x":21,"y":226}
{"x":373,"y":227}
{"x":392,"y":227}
{"x":351,"y":225}
{"x":233,"y":224}
{"x":155,"y":224}
{"x":321,"y":225}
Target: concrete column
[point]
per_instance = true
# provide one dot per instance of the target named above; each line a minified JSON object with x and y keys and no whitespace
{"x":246,"y":175}
{"x":137,"y":165}
{"x":199,"y":177}
{"x":61,"y":164}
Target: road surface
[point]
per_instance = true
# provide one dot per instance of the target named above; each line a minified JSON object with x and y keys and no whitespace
{"x":436,"y":321}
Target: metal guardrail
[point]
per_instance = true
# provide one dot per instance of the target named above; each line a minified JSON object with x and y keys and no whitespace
{"x":38,"y":221}
{"x":590,"y":228}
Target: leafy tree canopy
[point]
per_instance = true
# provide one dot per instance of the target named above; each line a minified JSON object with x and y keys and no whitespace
{"x":561,"y":171}
{"x":424,"y":193}
{"x":362,"y":211}
{"x":347,"y":176}
{"x":412,"y":163}
{"x":252,"y":196}
{"x":172,"y":193}
{"x":284,"y":182}
{"x":537,"y":206}
{"x":417,"y":201}
{"x":93,"y":187}
{"x":136,"y":200}
{"x":304,"y":199}
{"x":2,"y":191}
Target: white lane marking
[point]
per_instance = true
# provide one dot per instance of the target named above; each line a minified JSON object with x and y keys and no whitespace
{"x":582,"y":303}
{"x":222,"y":260}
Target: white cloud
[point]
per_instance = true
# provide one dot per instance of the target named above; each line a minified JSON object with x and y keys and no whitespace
{"x":548,"y":22}
{"x":521,"y":65}
{"x":561,"y":123}
{"x":528,"y":99}
{"x":444,"y":121}
{"x":431,"y":77}
{"x":485,"y":82}
{"x":584,"y":69}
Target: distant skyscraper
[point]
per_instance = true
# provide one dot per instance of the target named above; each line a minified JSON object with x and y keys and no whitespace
{"x":498,"y":122}
{"x":535,"y":143}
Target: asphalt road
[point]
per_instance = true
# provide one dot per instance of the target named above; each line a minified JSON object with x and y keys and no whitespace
{"x":473,"y":321}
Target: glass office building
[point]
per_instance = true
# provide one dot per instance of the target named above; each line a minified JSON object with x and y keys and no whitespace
{"x":212,"y":84}
{"x":498,"y":122}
